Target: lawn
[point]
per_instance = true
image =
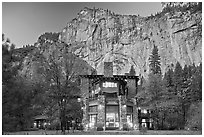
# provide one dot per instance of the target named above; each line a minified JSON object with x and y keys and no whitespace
{"x":149,"y":132}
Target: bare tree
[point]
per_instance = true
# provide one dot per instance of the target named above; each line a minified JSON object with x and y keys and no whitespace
{"x":60,"y":68}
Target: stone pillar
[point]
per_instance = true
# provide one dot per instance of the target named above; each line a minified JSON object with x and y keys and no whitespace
{"x":85,"y":120}
{"x":101,"y":112}
{"x":135,"y":117}
{"x":122,"y":111}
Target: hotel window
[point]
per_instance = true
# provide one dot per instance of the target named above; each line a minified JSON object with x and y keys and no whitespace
{"x":93,"y":109}
{"x":94,"y":91}
{"x":129,"y":109}
{"x":109,"y":84}
{"x":144,"y":123}
{"x":92,"y":119}
{"x":129,"y":120}
{"x":130,"y":115}
{"x":144,"y":111}
{"x":111,"y":95}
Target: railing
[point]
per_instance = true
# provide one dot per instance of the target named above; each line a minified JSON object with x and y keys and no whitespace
{"x":111,"y":99}
{"x":93,"y":98}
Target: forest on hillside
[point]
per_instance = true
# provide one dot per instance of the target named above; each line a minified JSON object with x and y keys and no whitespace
{"x":174,"y":98}
{"x":39,"y":81}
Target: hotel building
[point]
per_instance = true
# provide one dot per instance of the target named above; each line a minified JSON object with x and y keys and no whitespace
{"x":108,"y":101}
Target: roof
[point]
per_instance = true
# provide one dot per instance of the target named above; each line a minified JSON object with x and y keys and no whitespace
{"x":113,"y":77}
{"x":40,"y":117}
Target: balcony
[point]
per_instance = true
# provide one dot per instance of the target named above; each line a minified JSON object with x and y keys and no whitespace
{"x":93,"y":98}
{"x":112,"y":100}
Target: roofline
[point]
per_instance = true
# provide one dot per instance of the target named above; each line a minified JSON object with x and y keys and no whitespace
{"x":114,"y":76}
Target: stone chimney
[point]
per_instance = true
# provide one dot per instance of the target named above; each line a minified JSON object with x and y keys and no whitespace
{"x":108,"y":69}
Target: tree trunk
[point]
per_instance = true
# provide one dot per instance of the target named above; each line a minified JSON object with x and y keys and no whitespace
{"x":164,"y":117}
{"x":162,"y":121}
{"x":62,"y":117}
{"x":63,"y":121}
{"x":184,"y":116}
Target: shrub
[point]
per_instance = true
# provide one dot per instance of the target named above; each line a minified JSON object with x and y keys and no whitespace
{"x":143,"y":129}
{"x":194,"y":120}
{"x":125,"y":127}
{"x":99,"y":127}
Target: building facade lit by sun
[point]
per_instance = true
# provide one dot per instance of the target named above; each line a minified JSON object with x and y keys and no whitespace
{"x":108,"y":101}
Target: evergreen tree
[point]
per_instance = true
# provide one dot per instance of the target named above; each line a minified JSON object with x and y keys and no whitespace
{"x":194,"y":98}
{"x":182,"y":82}
{"x":155,"y":64}
{"x":196,"y":83}
{"x":177,"y":78}
{"x":153,"y":94}
{"x":186,"y":82}
{"x":168,"y":80}
{"x":178,"y":81}
{"x":16,"y":95}
{"x":170,"y":101}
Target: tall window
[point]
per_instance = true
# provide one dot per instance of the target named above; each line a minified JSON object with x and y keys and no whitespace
{"x":94,"y":91}
{"x":93,"y":120}
{"x":130,"y":116}
{"x":129,"y":109}
{"x":93,"y":109}
{"x":111,"y":95}
{"x":109,"y":84}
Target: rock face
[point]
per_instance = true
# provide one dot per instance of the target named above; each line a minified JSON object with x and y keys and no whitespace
{"x":36,"y":62}
{"x":126,"y":40}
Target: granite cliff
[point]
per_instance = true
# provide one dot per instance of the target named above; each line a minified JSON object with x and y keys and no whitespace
{"x":36,"y":60}
{"x":101,"y":35}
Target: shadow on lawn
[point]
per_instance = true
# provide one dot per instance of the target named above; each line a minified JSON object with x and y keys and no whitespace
{"x":148,"y":132}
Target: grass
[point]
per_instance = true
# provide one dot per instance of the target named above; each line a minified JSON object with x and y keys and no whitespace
{"x":149,"y":132}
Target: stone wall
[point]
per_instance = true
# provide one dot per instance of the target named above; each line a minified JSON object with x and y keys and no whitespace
{"x":101,"y":111}
{"x":122,"y":111}
{"x":135,"y":116}
{"x":85,"y":120}
{"x":84,"y":87}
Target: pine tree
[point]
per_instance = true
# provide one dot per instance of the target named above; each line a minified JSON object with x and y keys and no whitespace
{"x":16,"y":95}
{"x":154,"y":89}
{"x":177,"y":78}
{"x":169,"y":86}
{"x":194,"y":98}
{"x":186,"y":82}
{"x":181,"y":87}
{"x":170,"y":100}
{"x":168,"y":78}
{"x":155,"y":65}
{"x":196,"y":83}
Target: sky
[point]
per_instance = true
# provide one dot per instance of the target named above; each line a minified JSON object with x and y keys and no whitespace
{"x":24,"y":22}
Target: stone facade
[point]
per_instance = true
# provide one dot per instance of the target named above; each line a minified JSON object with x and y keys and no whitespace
{"x":101,"y":110}
{"x":135,"y":118}
{"x":85,"y":119}
{"x":110,"y":107}
{"x":109,"y":101}
{"x":122,"y":110}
